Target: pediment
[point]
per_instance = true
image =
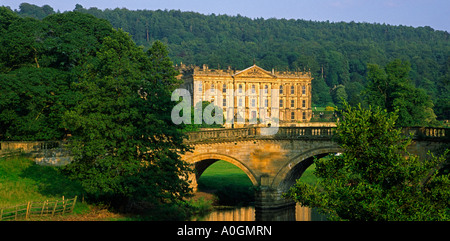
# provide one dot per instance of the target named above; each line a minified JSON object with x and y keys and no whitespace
{"x":254,"y":72}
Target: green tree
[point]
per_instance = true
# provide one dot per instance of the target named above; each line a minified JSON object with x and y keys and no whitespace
{"x":32,"y":103}
{"x":391,"y":88}
{"x":442,"y":105}
{"x":375,"y":178}
{"x":339,"y":95}
{"x":22,"y":44}
{"x":343,"y":49}
{"x":38,"y":62}
{"x":72,"y":38}
{"x":31,"y":10}
{"x":127,"y":150}
{"x":7,"y":18}
{"x":354,"y":89}
{"x":320,"y":92}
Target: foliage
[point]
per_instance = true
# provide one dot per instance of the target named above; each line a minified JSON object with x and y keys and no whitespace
{"x":126,"y":148}
{"x":336,"y":53}
{"x":391,"y":88}
{"x":375,"y":178}
{"x":32,"y":102}
{"x":30,"y":10}
{"x":442,"y":107}
{"x":339,"y":95}
{"x":38,"y":62}
{"x":321,"y":96}
{"x":74,"y":74}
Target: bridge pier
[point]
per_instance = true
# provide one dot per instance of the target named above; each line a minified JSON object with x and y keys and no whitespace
{"x":270,"y":205}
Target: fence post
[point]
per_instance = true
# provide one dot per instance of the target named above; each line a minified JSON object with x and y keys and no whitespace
{"x":17,"y":208}
{"x":73,"y":205}
{"x":54,"y":208}
{"x":64,"y":205}
{"x":43,"y":207}
{"x":27,"y":214}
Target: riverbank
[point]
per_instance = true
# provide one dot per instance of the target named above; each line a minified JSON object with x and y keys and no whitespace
{"x":222,"y":186}
{"x":22,"y":180}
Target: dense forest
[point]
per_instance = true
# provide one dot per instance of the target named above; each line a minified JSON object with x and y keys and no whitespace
{"x":338,"y":54}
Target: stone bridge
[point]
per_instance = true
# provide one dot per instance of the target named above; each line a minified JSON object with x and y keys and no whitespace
{"x":274,"y":162}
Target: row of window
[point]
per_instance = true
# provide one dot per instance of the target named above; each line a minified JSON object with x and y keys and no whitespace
{"x":266,"y":103}
{"x":253,"y":115}
{"x":253,"y":89}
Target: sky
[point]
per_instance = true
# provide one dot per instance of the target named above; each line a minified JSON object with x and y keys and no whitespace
{"x":416,"y":13}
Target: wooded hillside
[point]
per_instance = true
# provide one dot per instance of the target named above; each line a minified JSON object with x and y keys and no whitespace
{"x":339,"y":52}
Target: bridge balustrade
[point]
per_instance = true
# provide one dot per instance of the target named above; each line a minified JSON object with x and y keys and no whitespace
{"x":253,"y":132}
{"x":440,"y":134}
{"x":303,"y":132}
{"x":427,"y":132}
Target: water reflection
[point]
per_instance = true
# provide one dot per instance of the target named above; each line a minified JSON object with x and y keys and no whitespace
{"x":248,"y":214}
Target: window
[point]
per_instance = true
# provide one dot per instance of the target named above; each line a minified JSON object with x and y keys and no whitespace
{"x":266,"y":102}
{"x":224,"y":88}
{"x":281,"y":89}
{"x":304,"y":115}
{"x":224,"y":102}
{"x":292,"y":115}
{"x":240,"y":89}
{"x":266,"y":89}
{"x":303,"y":103}
{"x":200,"y":88}
{"x":253,"y":102}
{"x":292,"y":103}
{"x":303,"y":90}
{"x":212,"y":87}
{"x":292,"y":90}
{"x":240,"y":102}
{"x":253,"y":89}
{"x":281,"y":103}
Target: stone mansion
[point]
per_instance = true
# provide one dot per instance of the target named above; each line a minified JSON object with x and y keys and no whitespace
{"x":251,"y":94}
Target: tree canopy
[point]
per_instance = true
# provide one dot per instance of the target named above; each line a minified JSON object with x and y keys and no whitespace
{"x":39,"y":60}
{"x":372,"y":180}
{"x":73,"y":76}
{"x":337,"y":53}
{"x":390,"y":88}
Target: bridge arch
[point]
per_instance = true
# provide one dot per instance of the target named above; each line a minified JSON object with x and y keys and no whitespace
{"x":294,"y":168}
{"x":203,"y":161}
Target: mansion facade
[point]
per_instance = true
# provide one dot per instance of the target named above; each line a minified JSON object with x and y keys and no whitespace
{"x":251,"y":95}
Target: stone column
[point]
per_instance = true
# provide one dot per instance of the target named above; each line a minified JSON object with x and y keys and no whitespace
{"x":270,"y":205}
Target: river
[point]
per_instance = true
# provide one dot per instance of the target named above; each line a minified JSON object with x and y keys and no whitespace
{"x":248,"y":214}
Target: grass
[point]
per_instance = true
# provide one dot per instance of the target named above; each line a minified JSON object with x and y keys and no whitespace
{"x":222,"y":172}
{"x":22,"y":180}
{"x":229,"y":183}
{"x":308,"y":176}
{"x":233,"y":187}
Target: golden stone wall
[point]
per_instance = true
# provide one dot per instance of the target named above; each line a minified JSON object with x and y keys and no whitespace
{"x":249,"y":93}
